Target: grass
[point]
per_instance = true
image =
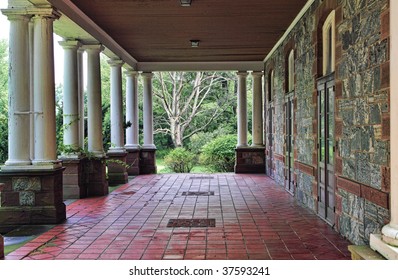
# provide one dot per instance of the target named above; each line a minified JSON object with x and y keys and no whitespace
{"x":162,"y":168}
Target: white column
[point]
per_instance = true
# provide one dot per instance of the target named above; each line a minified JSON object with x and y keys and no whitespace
{"x":94,"y":103}
{"x":70,"y":95}
{"x":390,"y":231}
{"x":132,"y":132}
{"x":117,"y":132}
{"x":387,"y":243}
{"x":18,"y":90}
{"x":80,"y":90}
{"x":32,"y":116}
{"x":148,"y":112}
{"x":257,"y":119}
{"x":44,"y":88}
{"x":242,"y":110}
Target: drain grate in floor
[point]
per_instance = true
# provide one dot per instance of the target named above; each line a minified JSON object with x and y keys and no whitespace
{"x":201,"y":177}
{"x":191,"y":223}
{"x":197,"y":193}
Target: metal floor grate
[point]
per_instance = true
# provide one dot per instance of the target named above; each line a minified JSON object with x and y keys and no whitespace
{"x":191,"y":223}
{"x":201,"y":177}
{"x":197,"y":193}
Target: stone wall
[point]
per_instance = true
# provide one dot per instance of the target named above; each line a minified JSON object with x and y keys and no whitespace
{"x":362,"y":111}
{"x":363,"y":116}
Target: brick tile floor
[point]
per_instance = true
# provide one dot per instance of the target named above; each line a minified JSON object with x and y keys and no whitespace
{"x":255,"y":219}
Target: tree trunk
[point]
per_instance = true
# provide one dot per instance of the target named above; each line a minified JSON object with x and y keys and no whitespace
{"x":176,"y":133}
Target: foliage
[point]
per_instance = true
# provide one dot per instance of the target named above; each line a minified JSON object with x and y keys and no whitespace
{"x":3,"y":101}
{"x":186,"y":103}
{"x":219,"y":154}
{"x":200,"y":139}
{"x":180,"y":160}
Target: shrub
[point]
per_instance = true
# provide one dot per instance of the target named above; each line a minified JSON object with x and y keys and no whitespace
{"x":200,"y":139}
{"x":180,"y":160}
{"x":219,"y":154}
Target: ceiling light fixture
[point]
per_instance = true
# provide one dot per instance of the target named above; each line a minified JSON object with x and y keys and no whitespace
{"x":194,"y":43}
{"x":185,"y":3}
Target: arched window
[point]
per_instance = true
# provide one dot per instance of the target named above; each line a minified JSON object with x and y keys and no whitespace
{"x":290,"y":75}
{"x":328,"y":40}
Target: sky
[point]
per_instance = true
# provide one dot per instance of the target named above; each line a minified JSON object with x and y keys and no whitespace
{"x":58,"y":52}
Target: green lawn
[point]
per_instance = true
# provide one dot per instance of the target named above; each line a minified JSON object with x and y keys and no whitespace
{"x":162,"y":169}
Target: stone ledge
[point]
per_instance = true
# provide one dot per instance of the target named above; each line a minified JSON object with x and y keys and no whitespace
{"x":363,"y":252}
{"x":387,"y":251}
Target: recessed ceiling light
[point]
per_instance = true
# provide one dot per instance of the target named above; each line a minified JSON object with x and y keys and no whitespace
{"x":194,"y":43}
{"x":185,"y":3}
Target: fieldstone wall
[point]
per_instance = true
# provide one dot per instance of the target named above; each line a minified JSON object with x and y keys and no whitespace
{"x":31,"y":197}
{"x":362,"y":118}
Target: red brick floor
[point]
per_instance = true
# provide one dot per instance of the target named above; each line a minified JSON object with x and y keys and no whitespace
{"x":255,"y":219}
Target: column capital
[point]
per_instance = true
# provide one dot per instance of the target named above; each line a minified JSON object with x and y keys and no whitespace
{"x":242,"y":74}
{"x":70,"y":44}
{"x":95,"y":48}
{"x":44,"y":11}
{"x":16,"y":13}
{"x":257,"y":73}
{"x":147,"y":75}
{"x":131,"y":72}
{"x":115,"y":62}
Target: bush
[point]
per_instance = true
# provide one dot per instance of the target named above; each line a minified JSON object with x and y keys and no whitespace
{"x":219,"y":154}
{"x":200,"y":139}
{"x":180,"y":160}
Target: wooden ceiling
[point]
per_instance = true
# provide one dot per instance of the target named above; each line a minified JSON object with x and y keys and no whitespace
{"x":161,"y":30}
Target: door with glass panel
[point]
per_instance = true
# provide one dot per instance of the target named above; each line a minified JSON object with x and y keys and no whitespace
{"x":270,"y":141}
{"x":326,"y":148}
{"x":289,"y":145}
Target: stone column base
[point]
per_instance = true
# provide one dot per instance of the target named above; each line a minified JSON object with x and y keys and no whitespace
{"x":96,"y":183}
{"x":31,"y":197}
{"x":1,"y":247}
{"x":117,"y":170}
{"x":250,"y":160}
{"x":148,"y":161}
{"x":133,"y":161}
{"x":74,"y":178}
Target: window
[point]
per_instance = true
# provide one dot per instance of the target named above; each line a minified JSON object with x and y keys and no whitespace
{"x":328,"y":40}
{"x":290,"y":75}
{"x":271,"y":84}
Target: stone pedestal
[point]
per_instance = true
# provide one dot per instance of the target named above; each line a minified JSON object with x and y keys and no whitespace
{"x":133,"y":162}
{"x":148,"y":161}
{"x":74,"y":178}
{"x":95,"y":169}
{"x":117,"y":170}
{"x":1,"y":247}
{"x":250,"y":160}
{"x":31,"y":197}
{"x":379,"y":245}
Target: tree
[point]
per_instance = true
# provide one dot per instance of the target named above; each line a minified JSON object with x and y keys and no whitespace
{"x":3,"y":101}
{"x":191,"y":102}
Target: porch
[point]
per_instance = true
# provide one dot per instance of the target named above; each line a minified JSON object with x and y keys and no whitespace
{"x":254,"y":218}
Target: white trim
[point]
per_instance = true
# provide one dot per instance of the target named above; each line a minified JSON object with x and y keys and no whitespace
{"x":201,"y":66}
{"x":329,"y":24}
{"x":290,"y":28}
